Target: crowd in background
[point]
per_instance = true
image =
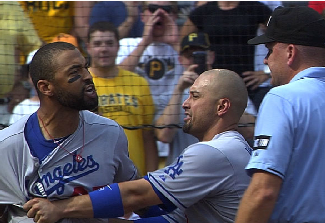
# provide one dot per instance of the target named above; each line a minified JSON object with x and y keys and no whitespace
{"x":149,"y":43}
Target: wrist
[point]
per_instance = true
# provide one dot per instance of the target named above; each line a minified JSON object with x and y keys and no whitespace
{"x":145,"y":42}
{"x":178,"y":90}
{"x":107,"y":202}
{"x":130,"y":19}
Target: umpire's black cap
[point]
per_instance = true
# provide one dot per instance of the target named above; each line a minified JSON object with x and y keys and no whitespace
{"x":298,"y":25}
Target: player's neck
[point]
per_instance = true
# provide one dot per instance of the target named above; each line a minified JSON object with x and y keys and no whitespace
{"x":104,"y":72}
{"x":220,"y":127}
{"x":34,"y":98}
{"x":58,"y":123}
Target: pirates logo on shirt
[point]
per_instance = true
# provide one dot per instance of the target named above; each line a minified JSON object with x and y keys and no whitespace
{"x":155,"y":68}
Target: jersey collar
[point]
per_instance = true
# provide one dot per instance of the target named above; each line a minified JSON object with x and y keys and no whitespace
{"x":312,"y":72}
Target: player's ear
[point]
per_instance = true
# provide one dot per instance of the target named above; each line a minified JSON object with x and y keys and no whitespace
{"x":45,"y":87}
{"x":223,"y":106}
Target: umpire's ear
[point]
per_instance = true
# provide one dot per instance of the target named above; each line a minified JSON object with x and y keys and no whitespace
{"x":44,"y":87}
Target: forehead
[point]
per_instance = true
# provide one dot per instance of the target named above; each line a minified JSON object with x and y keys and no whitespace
{"x":98,"y":35}
{"x":201,"y":83}
{"x":68,"y":58}
{"x":270,"y":45}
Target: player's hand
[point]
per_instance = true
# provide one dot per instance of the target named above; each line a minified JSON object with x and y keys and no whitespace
{"x":42,"y":210}
{"x":253,"y":79}
{"x":188,"y":78}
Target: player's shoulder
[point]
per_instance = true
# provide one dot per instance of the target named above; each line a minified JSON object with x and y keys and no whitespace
{"x":97,"y":120}
{"x":14,"y":130}
{"x":97,"y":125}
{"x":223,"y":139}
{"x":291,"y":91}
{"x":226,"y":143}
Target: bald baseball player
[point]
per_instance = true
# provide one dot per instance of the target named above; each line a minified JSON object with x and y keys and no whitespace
{"x":206,"y":181}
{"x":62,"y":150}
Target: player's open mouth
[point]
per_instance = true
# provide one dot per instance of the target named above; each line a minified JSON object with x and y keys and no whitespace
{"x":187,"y":117}
{"x":91,"y":91}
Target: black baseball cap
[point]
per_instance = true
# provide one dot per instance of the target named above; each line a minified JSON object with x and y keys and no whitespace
{"x":298,"y":25}
{"x":198,"y":39}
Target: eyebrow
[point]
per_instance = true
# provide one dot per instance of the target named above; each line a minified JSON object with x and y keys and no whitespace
{"x":194,"y":91}
{"x":78,"y":66}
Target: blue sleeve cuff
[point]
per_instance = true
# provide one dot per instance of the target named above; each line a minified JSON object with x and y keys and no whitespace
{"x":158,"y":219}
{"x":107,"y":202}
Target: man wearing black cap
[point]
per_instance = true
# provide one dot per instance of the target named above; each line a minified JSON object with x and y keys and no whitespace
{"x":289,"y":150}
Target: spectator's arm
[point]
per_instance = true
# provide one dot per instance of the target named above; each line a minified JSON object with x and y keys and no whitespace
{"x":82,"y":11}
{"x":253,"y":79}
{"x":151,"y":150}
{"x":200,"y":3}
{"x":133,"y":13}
{"x":169,"y":116}
{"x":132,"y":60}
{"x":171,"y":112}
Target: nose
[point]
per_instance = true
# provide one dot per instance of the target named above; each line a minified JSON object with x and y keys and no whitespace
{"x":265,"y":61}
{"x":185,"y":104}
{"x":86,"y":74}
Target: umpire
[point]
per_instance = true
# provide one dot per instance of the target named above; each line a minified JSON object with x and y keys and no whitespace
{"x":287,"y":165}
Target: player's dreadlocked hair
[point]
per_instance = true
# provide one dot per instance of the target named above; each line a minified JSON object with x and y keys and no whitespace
{"x":43,"y":65}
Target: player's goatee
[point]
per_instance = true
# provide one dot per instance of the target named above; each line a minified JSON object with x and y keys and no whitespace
{"x":187,"y":126}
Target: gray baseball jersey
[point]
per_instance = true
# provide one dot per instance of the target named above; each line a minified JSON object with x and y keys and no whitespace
{"x":208,"y":179}
{"x":104,"y":161}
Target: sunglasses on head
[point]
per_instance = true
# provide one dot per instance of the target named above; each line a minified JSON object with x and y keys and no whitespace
{"x":152,"y":8}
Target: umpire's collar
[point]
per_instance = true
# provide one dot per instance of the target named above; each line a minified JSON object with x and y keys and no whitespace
{"x":312,"y":72}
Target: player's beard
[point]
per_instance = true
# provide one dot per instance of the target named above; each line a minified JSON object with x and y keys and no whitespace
{"x":77,"y":102}
{"x":187,"y":126}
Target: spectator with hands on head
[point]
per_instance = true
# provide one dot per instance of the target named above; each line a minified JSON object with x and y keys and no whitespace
{"x":160,"y":26}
